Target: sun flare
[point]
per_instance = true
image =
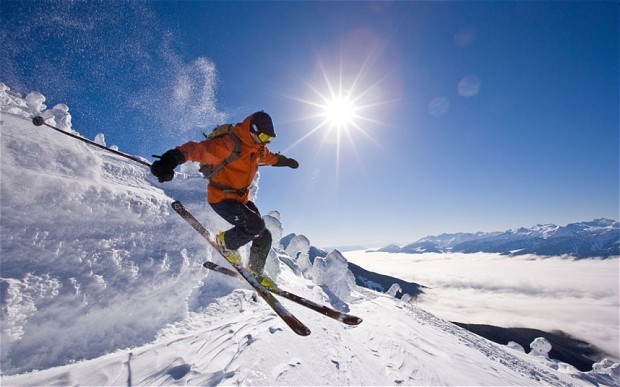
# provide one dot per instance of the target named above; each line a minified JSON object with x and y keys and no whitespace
{"x":342,"y":104}
{"x":339,"y":112}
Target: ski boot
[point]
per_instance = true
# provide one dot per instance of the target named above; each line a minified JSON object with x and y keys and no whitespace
{"x":264,"y":280}
{"x":231,"y":256}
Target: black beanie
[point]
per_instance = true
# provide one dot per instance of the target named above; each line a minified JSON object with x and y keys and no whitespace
{"x":261,"y":123}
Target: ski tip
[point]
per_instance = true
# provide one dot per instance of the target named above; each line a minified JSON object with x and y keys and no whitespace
{"x":38,"y":121}
{"x":303,"y":332}
{"x":296,"y":325}
{"x":352,"y":320}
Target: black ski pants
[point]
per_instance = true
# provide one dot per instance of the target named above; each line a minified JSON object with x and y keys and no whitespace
{"x":248,"y":226}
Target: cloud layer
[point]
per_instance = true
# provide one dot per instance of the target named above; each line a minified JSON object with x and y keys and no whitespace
{"x":578,"y":297}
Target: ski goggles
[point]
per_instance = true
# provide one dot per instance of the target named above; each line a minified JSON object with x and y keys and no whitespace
{"x":264,"y":138}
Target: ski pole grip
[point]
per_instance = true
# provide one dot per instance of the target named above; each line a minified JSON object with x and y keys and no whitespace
{"x":38,"y":121}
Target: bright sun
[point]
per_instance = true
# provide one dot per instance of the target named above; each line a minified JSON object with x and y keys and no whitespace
{"x":339,"y":112}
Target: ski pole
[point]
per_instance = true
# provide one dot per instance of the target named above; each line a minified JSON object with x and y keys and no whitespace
{"x":38,"y":121}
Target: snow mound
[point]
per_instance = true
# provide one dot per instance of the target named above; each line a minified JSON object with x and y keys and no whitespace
{"x":91,"y":259}
{"x":273,"y":224}
{"x":605,"y":372}
{"x":540,"y":347}
{"x":298,"y":249}
{"x":608,"y":368}
{"x":333,"y":274}
{"x":394,"y":290}
{"x":515,"y":346}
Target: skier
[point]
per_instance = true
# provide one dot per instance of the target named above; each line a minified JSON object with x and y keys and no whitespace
{"x":234,"y":159}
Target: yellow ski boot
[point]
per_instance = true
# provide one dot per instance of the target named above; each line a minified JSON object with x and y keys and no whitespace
{"x":231,"y":256}
{"x":265,"y":280}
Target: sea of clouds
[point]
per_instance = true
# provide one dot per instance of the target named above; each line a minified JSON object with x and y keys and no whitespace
{"x":579,"y":297}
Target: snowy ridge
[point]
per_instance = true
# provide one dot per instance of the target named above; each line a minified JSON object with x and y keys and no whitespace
{"x":598,"y":238}
{"x":83,"y":236}
{"x":102,"y":284}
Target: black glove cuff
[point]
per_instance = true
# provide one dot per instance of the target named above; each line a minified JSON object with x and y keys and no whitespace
{"x":164,"y":167}
{"x":173,"y":158}
{"x":282,"y":161}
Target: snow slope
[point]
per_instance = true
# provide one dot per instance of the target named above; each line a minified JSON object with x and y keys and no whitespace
{"x":101,"y":284}
{"x":237,"y":341}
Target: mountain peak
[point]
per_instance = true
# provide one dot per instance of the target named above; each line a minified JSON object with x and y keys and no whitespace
{"x":596,"y":238}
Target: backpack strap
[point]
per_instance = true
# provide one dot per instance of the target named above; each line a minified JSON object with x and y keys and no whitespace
{"x":210,"y":170}
{"x":232,"y":157}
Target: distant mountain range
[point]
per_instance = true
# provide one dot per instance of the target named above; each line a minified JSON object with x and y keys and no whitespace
{"x":598,"y":238}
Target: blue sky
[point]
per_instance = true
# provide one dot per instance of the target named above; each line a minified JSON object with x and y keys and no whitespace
{"x":468,"y":116}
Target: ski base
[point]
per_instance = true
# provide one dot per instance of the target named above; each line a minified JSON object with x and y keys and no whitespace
{"x":296,"y":325}
{"x":329,"y":312}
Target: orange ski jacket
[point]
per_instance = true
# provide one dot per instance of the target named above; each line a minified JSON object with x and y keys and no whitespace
{"x":232,"y":181}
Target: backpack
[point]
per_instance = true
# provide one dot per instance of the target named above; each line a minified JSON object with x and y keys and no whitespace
{"x":209,"y":170}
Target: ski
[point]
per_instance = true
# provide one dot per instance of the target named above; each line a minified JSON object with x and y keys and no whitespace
{"x":296,"y":325}
{"x":324,"y":310}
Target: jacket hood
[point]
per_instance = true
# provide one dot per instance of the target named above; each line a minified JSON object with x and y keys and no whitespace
{"x":242,"y":130}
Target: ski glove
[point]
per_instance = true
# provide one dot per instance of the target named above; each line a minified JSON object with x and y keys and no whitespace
{"x":164,"y":167}
{"x":284,"y":161}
